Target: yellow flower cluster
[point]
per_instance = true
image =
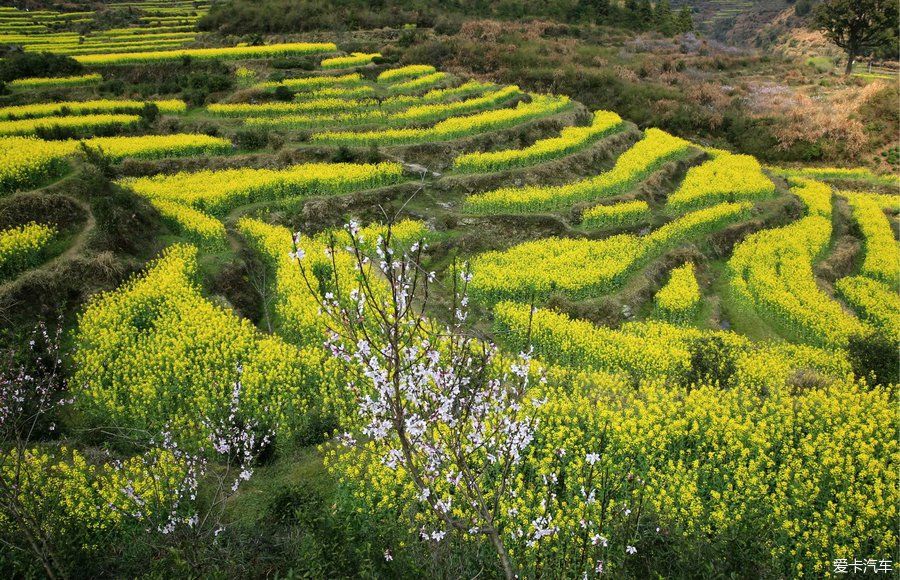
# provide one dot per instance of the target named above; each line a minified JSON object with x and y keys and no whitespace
{"x":724,"y":178}
{"x":307,"y":84}
{"x":232,"y":53}
{"x":360,"y":92}
{"x":54,"y":82}
{"x":431,"y":113}
{"x":355,"y":59}
{"x":690,"y":465}
{"x":200,"y":228}
{"x":22,"y":247}
{"x":220,"y":190}
{"x":888,"y":203}
{"x":570,"y":139}
{"x":393,"y":111}
{"x":80,"y":123}
{"x":156,"y":352}
{"x":645,"y":157}
{"x":26,"y":161}
{"x":74,"y":500}
{"x":772,"y":272}
{"x":880,"y":246}
{"x":877,"y":302}
{"x":159,"y":146}
{"x":276,"y":109}
{"x":417,"y":84}
{"x":679,"y":299}
{"x":405,"y":72}
{"x":839,"y":174}
{"x":535,"y":270}
{"x":452,"y":128}
{"x":616,"y":215}
{"x":84,"y":107}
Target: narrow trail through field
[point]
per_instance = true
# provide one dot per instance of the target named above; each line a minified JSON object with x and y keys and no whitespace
{"x":79,"y":242}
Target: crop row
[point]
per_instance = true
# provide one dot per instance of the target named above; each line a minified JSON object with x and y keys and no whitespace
{"x":405,"y":73}
{"x":679,"y":299}
{"x":219,"y":191}
{"x":645,"y":157}
{"x":771,"y":272}
{"x":881,"y":249}
{"x":616,"y":215}
{"x":229,"y":53}
{"x":63,"y":108}
{"x":418,"y":84}
{"x":570,"y":139}
{"x":26,"y":161}
{"x":45,"y":82}
{"x":313,"y":83}
{"x":23,"y":246}
{"x":353,"y":60}
{"x":81,"y":124}
{"x":582,"y":268}
{"x":877,"y":302}
{"x":156,"y":352}
{"x":724,"y":178}
{"x":305,"y":114}
{"x":452,"y":128}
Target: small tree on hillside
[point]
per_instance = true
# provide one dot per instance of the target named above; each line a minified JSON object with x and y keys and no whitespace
{"x":857,"y":26}
{"x":684,"y":22}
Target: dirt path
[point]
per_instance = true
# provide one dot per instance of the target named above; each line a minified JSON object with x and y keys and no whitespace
{"x":79,"y":242}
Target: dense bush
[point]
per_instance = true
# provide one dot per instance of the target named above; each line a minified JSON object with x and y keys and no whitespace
{"x":18,"y":65}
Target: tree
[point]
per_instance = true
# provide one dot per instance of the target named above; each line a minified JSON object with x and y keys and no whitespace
{"x":857,"y":26}
{"x":684,"y":23}
{"x":662,"y":17}
{"x":645,"y":15}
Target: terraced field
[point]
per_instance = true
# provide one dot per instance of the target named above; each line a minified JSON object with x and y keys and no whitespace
{"x":711,"y":343}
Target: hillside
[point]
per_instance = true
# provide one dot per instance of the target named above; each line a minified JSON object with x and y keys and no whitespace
{"x":365,"y":304}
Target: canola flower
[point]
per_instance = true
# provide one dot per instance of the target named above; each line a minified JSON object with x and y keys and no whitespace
{"x":881,"y":248}
{"x":431,"y":113}
{"x":71,"y":498}
{"x":724,"y":178}
{"x":22,"y":247}
{"x":171,"y":106}
{"x":616,"y":215}
{"x":228,"y":53}
{"x":81,"y":124}
{"x":679,"y":299}
{"x":391,"y":111}
{"x":155,"y":352}
{"x":201,"y":229}
{"x":311,"y":106}
{"x":296,"y":310}
{"x":314,"y":83}
{"x":452,"y":128}
{"x":353,"y":60}
{"x":27,"y":161}
{"x":405,"y":72}
{"x":700,"y":460}
{"x":533,"y":271}
{"x":217,"y":191}
{"x":875,"y":301}
{"x":418,"y":84}
{"x":887,"y":202}
{"x":53,"y":82}
{"x":570,"y":140}
{"x":771,"y":272}
{"x":645,"y":157}
{"x":839,"y":174}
